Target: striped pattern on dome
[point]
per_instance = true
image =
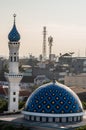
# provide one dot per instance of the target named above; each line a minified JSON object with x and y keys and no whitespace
{"x":53,"y":98}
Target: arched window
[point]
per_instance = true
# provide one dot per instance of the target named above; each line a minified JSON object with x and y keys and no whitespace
{"x":11,"y":59}
{"x":14,"y":99}
{"x":14,"y":58}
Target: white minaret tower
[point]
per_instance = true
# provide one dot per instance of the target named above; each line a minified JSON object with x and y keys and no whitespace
{"x":13,"y":77}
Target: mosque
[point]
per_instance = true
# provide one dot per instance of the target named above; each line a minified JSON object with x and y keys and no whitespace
{"x":50,"y":103}
{"x":53,"y":102}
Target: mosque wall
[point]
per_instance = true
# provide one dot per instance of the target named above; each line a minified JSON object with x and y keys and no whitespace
{"x":53,"y":119}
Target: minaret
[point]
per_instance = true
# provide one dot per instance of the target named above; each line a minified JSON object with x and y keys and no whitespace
{"x":13,"y":77}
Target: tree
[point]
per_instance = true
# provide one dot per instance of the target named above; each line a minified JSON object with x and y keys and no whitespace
{"x":3,"y":105}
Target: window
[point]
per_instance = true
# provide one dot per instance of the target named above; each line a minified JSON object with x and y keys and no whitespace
{"x":14,"y":58}
{"x":11,"y":58}
{"x":14,"y":93}
{"x":14,"y":99}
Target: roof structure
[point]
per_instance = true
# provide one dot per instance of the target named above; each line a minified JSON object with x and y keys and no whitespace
{"x":54,"y":98}
{"x":14,"y":36}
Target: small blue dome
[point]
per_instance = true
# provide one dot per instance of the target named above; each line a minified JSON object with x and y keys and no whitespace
{"x":14,"y":36}
{"x":53,"y":98}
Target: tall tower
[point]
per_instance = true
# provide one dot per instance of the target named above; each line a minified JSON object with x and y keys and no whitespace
{"x":44,"y":43}
{"x":13,"y":77}
{"x":50,"y":40}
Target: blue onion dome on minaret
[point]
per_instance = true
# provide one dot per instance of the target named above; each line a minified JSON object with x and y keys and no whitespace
{"x":14,"y":36}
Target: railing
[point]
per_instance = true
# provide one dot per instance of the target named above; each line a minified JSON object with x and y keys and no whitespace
{"x":13,"y":75}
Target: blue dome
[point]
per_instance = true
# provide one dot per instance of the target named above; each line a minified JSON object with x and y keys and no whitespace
{"x":14,"y":36}
{"x":53,"y":98}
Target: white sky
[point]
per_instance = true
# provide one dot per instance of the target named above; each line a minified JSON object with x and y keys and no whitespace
{"x":65,"y":21}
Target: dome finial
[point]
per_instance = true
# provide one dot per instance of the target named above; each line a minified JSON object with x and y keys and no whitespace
{"x":54,"y":78}
{"x":14,"y":15}
{"x":54,"y":81}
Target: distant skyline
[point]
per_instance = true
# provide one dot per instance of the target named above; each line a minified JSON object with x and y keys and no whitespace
{"x":65,"y":21}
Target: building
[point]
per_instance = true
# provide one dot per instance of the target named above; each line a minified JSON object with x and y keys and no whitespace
{"x":13,"y":77}
{"x":76,"y":65}
{"x":53,"y":103}
{"x":76,"y":80}
{"x":41,"y":79}
{"x":27,"y":70}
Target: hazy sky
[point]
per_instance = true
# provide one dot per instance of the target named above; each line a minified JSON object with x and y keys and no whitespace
{"x":65,"y":21}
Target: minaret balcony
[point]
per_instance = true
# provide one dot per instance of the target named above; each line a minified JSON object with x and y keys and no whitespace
{"x":13,"y":75}
{"x":14,"y":78}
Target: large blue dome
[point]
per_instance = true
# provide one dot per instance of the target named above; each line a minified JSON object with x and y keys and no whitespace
{"x":53,"y":98}
{"x":14,"y":36}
